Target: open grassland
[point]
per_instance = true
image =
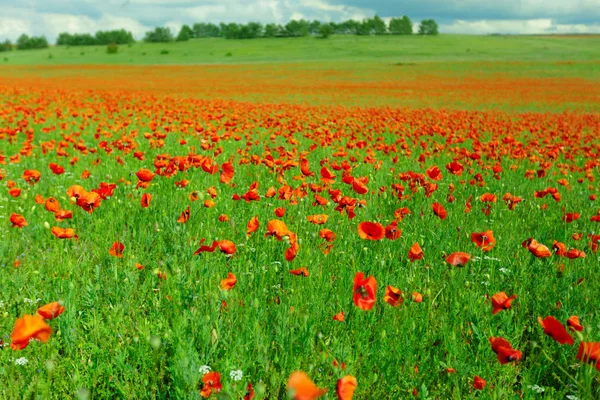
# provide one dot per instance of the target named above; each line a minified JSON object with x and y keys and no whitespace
{"x":196,"y":216}
{"x":334,"y":49}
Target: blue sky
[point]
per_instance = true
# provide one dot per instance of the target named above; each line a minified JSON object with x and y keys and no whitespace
{"x":50,"y":17}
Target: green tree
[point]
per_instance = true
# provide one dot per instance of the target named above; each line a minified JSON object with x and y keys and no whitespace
{"x":378,"y":25}
{"x":314,"y":28}
{"x":272,"y":30}
{"x":118,"y":36}
{"x":159,"y":35}
{"x":185,"y":34}
{"x":25,"y":42}
{"x":204,"y":30}
{"x":64,"y":39}
{"x":325,"y":31}
{"x":401,"y":26}
{"x":428,"y":27}
{"x":6,"y":45}
{"x":297,"y":28}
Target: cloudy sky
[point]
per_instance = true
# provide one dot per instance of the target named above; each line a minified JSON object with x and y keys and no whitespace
{"x":50,"y":17}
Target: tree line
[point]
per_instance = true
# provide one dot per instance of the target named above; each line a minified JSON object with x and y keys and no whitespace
{"x":251,"y":30}
{"x":294,"y":28}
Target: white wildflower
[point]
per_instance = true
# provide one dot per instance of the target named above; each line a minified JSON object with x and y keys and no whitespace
{"x":236,"y":374}
{"x":536,"y":388}
{"x":205,"y":369}
{"x":21,"y":361}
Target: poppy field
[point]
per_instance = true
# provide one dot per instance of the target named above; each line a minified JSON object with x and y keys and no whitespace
{"x":239,"y":243}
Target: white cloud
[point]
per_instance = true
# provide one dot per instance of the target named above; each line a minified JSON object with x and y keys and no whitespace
{"x":526,"y":27}
{"x":50,"y":17}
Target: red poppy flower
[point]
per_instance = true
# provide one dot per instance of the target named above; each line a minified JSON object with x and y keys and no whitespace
{"x":468,"y":205}
{"x":52,"y":205}
{"x":556,"y":330}
{"x":15,"y":192}
{"x":208,"y":203}
{"x":51,"y":310}
{"x":17,"y":220}
{"x":185,"y":216}
{"x":458,"y":259}
{"x":300,"y":387}
{"x":318,"y":219}
{"x":249,"y":392}
{"x":415,"y":252}
{"x":300,"y":271}
{"x":365,"y":291}
{"x":277,"y":228}
{"x":455,"y":168}
{"x":31,"y":176}
{"x":359,"y":186}
{"x":39,"y":199}
{"x":478,"y":383}
{"x":227,"y":247}
{"x":416,"y":297}
{"x":252,"y":226}
{"x":504,"y":350}
{"x":75,"y":191}
{"x":434,"y":173}
{"x":327,"y":176}
{"x":89,"y":201}
{"x":145,"y":200}
{"x":339,"y":316}
{"x":560,"y":249}
{"x":589,"y":352}
{"x":327,"y":234}
{"x":116,"y":250}
{"x":229,"y":282}
{"x":484,"y":240}
{"x":345,"y":387}
{"x":500,"y":301}
{"x":227,"y":173}
{"x":371,"y":230}
{"x":488,"y":198}
{"x":537,"y":249}
{"x":56,"y":169}
{"x":574,"y":253}
{"x":27,"y":328}
{"x":393,"y":296}
{"x":145,"y":175}
{"x":439,"y":211}
{"x":212,"y":192}
{"x":392,"y":232}
{"x":63,"y":233}
{"x":570,"y":217}
{"x":61,"y":215}
{"x":573,"y":323}
{"x":211,"y":384}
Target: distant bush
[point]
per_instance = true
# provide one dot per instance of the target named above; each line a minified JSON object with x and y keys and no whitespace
{"x":159,"y":35}
{"x":25,"y":42}
{"x":428,"y":27}
{"x":6,"y":46}
{"x":325,"y":31}
{"x":112,"y":48}
{"x":164,"y":51}
{"x":120,"y":36}
{"x":185,"y":34}
{"x":401,"y":26}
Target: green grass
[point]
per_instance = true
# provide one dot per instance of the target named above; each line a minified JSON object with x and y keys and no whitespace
{"x":126,"y":333}
{"x":443,"y":48}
